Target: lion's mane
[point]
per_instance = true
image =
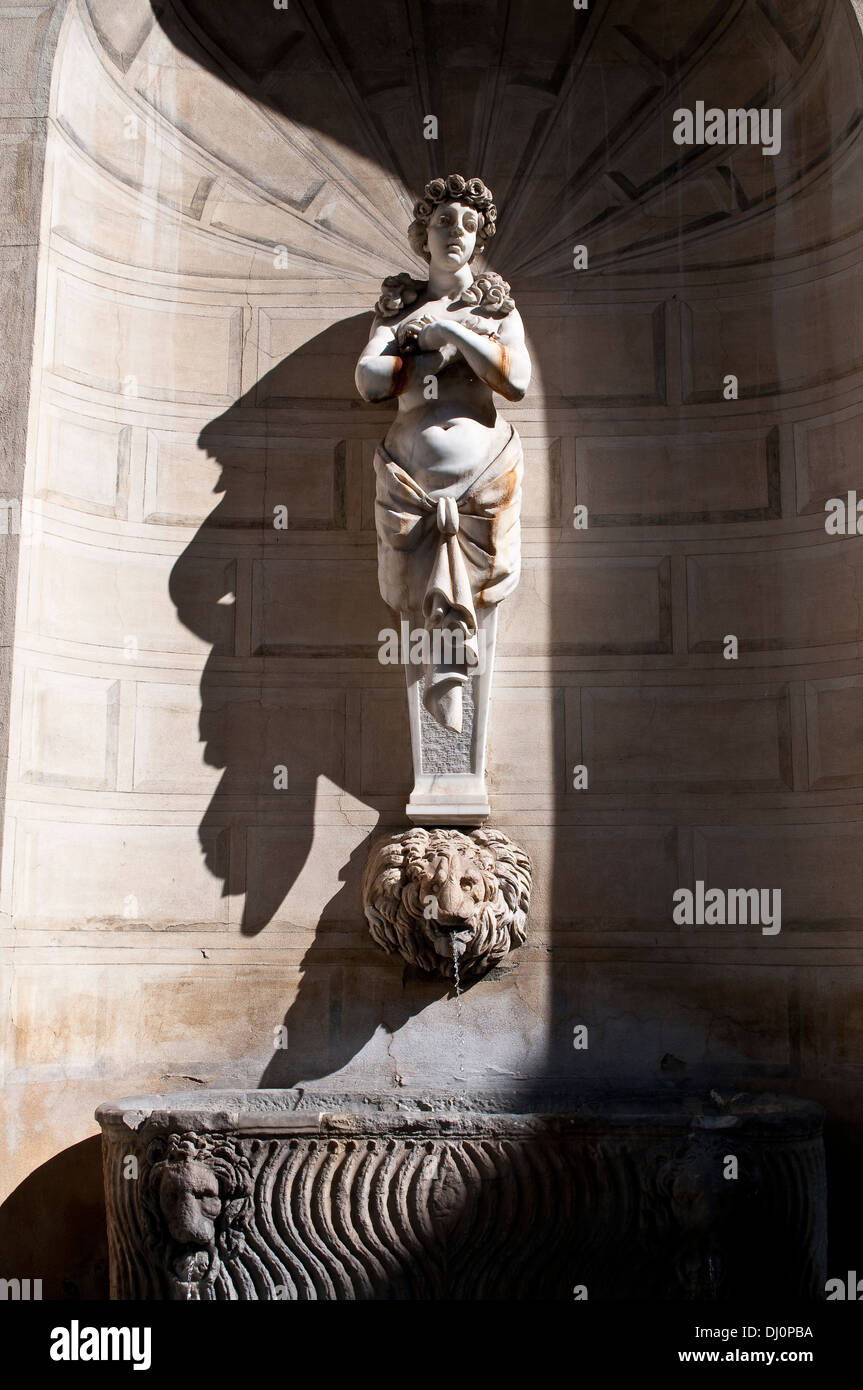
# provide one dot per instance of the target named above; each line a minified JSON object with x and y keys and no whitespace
{"x":396,"y":881}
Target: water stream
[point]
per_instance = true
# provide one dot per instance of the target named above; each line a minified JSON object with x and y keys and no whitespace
{"x":457,"y":948}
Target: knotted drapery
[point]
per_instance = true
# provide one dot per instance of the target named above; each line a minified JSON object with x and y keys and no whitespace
{"x":440,"y":558}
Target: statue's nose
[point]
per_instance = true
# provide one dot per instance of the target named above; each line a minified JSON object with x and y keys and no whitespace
{"x":449,"y":896}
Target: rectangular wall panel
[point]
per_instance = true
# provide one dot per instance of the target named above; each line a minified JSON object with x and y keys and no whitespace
{"x":803,"y":596}
{"x":148,"y":348}
{"x":666,"y":737}
{"x":656,"y":480}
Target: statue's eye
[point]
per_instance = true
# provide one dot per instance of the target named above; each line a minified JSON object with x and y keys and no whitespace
{"x":467,"y":884}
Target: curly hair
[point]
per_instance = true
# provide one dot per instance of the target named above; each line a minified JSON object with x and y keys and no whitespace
{"x":455,"y":188}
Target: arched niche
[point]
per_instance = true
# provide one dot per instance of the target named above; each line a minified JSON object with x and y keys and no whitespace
{"x":170,"y":645}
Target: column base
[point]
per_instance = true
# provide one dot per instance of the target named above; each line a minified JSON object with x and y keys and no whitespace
{"x":449,"y":799}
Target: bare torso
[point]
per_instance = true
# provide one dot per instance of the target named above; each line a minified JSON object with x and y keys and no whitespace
{"x":445,"y":443}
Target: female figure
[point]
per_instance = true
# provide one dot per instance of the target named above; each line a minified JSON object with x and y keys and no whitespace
{"x":449,"y":471}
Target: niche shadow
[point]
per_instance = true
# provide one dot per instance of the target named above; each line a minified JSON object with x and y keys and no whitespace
{"x":53,"y":1226}
{"x":255,"y":838}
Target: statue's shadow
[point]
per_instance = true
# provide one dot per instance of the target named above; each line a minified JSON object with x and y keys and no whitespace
{"x":255,"y":714}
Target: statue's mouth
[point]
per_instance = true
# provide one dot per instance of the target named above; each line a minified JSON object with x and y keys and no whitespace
{"x":453,"y":926}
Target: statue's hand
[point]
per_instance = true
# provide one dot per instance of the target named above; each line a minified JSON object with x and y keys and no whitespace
{"x":437,"y":336}
{"x":484,"y":327}
{"x":409,"y":333}
{"x":425,"y":334}
{"x":434,"y":336}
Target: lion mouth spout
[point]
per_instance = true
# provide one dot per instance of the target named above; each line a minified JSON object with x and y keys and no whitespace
{"x":455,"y":922}
{"x":454,"y":938}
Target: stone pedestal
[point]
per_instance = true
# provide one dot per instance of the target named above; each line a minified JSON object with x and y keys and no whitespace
{"x":449,"y":768}
{"x":300,"y":1196}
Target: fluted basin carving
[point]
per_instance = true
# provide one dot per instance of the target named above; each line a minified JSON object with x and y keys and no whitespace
{"x":294,"y":1195}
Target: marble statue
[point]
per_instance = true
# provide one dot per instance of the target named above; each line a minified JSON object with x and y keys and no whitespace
{"x":449,"y":476}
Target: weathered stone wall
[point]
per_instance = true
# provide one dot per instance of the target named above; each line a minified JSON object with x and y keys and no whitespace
{"x":218,"y":211}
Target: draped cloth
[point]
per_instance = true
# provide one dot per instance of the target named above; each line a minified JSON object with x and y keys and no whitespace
{"x":441,"y":558}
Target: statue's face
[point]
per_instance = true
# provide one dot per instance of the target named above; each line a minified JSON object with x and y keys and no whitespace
{"x":190,"y":1202}
{"x":451,"y":234}
{"x":453,"y":891}
{"x":458,"y":885}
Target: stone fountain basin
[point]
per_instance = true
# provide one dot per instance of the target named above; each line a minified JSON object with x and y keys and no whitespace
{"x":301,"y":1194}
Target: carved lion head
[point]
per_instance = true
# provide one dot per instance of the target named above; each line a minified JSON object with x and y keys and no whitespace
{"x":431,"y":895}
{"x":196,"y":1198}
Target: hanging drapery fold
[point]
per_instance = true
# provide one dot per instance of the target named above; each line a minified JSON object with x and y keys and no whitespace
{"x":440,"y":558}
